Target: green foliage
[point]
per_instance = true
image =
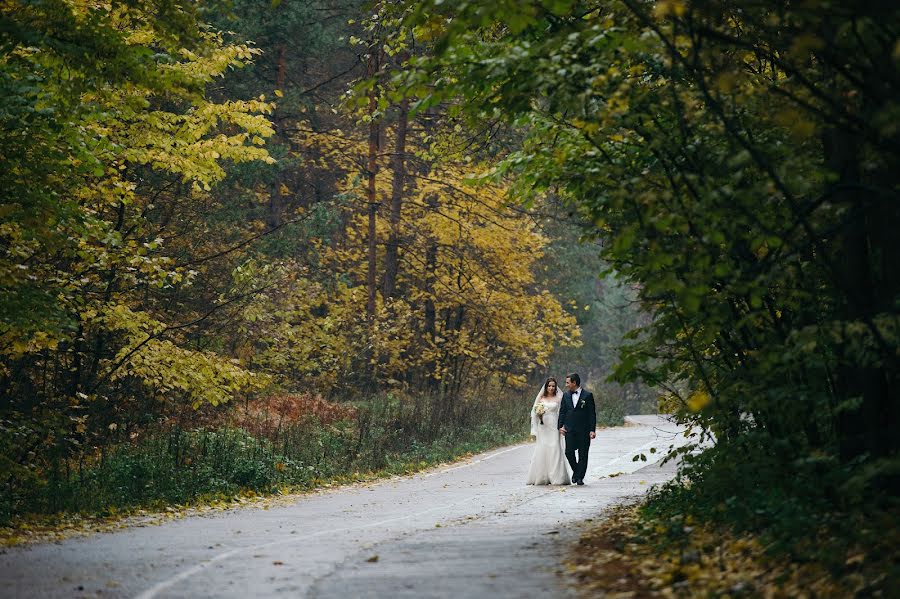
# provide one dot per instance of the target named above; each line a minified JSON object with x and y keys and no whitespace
{"x":181,"y":226}
{"x":606,"y":310}
{"x":105,"y":126}
{"x":180,"y":465}
{"x":738,"y":164}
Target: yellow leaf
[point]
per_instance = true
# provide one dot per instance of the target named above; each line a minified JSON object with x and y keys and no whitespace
{"x":697,"y":401}
{"x":667,"y":8}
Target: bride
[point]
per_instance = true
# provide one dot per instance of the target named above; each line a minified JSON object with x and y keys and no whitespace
{"x":548,"y":464}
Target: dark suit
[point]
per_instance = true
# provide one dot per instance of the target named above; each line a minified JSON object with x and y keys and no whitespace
{"x":580,"y":421}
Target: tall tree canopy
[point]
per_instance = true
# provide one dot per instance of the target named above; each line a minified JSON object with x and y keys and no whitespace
{"x":208,"y":201}
{"x":738,"y":162}
{"x":108,"y":143}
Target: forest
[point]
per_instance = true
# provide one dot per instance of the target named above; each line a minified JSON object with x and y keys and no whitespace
{"x":256,"y":246}
{"x":237,"y":255}
{"x":738,"y":164}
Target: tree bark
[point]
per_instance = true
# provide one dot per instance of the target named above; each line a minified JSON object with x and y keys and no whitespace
{"x":279,"y":76}
{"x":392,"y":252}
{"x":860,"y":430}
{"x":371,"y":173}
{"x":276,"y":198}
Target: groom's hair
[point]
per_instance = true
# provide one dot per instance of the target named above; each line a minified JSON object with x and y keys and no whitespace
{"x":574,"y":378}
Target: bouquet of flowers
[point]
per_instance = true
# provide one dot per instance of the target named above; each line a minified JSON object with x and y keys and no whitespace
{"x":539,"y":410}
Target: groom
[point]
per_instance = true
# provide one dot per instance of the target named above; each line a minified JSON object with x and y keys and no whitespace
{"x":577,"y":421}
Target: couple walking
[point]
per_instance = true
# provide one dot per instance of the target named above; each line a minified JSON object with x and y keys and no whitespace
{"x":558,"y":415}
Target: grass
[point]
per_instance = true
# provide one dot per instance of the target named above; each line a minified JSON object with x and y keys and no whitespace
{"x":293,"y":444}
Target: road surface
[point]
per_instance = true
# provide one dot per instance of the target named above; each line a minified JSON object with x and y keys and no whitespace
{"x":470,"y":529}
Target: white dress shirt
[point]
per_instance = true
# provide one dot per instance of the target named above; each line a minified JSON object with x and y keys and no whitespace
{"x":575,"y":395}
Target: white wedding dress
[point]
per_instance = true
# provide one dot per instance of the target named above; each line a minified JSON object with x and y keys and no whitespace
{"x":548,"y":464}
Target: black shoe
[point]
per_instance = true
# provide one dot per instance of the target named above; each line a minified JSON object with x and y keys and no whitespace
{"x":580,"y":482}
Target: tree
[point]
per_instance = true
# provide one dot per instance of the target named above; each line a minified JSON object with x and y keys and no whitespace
{"x":107,"y":138}
{"x":735,"y":160}
{"x":465,"y":255}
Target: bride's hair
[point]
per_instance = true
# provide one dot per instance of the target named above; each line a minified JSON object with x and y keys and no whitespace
{"x":547,"y":382}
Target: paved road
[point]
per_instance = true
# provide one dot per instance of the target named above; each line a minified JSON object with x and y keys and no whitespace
{"x":472,"y":529}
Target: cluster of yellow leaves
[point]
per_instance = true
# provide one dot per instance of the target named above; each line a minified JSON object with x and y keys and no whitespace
{"x":166,"y":368}
{"x":303,"y":331}
{"x":465,"y":251}
{"x":194,"y":141}
{"x":698,"y":400}
{"x":181,"y":143}
{"x":168,"y":124}
{"x":666,"y":8}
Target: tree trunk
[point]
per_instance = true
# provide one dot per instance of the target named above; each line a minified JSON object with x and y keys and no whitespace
{"x":392,"y":252}
{"x":429,"y":279}
{"x":279,"y":76}
{"x":861,"y":430}
{"x":430,"y":310}
{"x":276,"y":198}
{"x":371,"y":172}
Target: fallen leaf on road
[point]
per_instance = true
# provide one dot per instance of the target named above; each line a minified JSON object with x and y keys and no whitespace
{"x":372,"y":559}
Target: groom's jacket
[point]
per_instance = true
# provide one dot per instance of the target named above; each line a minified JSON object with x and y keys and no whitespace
{"x":579,"y":418}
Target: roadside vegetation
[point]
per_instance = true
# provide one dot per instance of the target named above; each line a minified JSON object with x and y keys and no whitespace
{"x":285,"y":444}
{"x":639,"y":552}
{"x":737,"y":164}
{"x":235,"y":259}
